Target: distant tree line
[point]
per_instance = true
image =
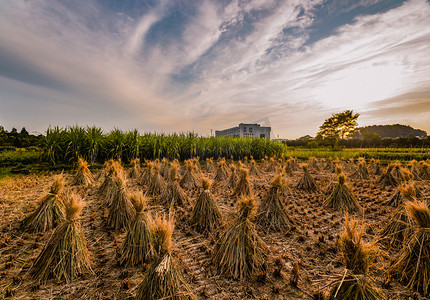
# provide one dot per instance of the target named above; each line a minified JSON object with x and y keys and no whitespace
{"x":19,"y":139}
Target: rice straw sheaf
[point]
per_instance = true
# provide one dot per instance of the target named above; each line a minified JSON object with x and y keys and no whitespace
{"x":342,"y":197}
{"x":412,"y":266}
{"x":271,"y":167}
{"x":145,"y":179}
{"x":121,"y":209}
{"x":165,"y":169}
{"x":293,"y":164}
{"x":233,"y":179}
{"x":174,"y":194}
{"x":65,"y":255}
{"x":206,"y":215}
{"x":112,"y":169}
{"x":253,"y":171}
{"x":189,"y":180}
{"x":313,"y":164}
{"x":424,"y":171}
{"x":358,"y":257}
{"x":210,"y":165}
{"x":271,"y":213}
{"x":137,"y":247}
{"x":361,"y":172}
{"x":157,"y":185}
{"x":388,"y":178}
{"x":307,"y":182}
{"x":83,"y":175}
{"x":333,"y":184}
{"x":221,"y":173}
{"x":405,"y":192}
{"x":243,"y":187}
{"x":240,"y":252}
{"x":135,"y":169}
{"x":50,"y":210}
{"x":163,"y":279}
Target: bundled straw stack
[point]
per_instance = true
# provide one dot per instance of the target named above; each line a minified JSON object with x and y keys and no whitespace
{"x":189,"y":180}
{"x":121,"y":209}
{"x":357,"y":257}
{"x":253,"y":171}
{"x":243,"y":187}
{"x":163,"y":279}
{"x":137,"y":247}
{"x":233,"y":179}
{"x":50,"y":211}
{"x":361,"y":172}
{"x":221,"y":171}
{"x":135,"y":169}
{"x":206,"y":215}
{"x":65,"y":255}
{"x":342,"y":197}
{"x":412,"y":266}
{"x":174,"y":194}
{"x":157,"y":185}
{"x":240,"y":252}
{"x":83,"y":175}
{"x":306,"y":183}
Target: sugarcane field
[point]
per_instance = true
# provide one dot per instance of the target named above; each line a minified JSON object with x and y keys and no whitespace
{"x":273,"y":228}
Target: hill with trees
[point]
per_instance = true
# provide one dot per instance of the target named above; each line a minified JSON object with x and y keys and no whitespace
{"x":389,"y":131}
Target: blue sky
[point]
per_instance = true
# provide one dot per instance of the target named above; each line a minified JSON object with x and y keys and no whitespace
{"x":170,"y":66}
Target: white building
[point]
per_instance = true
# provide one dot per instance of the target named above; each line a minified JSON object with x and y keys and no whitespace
{"x":245,"y":130}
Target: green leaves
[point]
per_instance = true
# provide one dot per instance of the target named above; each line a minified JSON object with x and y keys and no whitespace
{"x":338,"y":126}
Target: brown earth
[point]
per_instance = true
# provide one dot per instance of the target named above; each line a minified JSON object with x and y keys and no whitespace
{"x":312,"y":243}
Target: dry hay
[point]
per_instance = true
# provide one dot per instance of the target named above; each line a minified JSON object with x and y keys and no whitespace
{"x":146,"y":177}
{"x":157,"y":185}
{"x":414,"y":169}
{"x":137,"y":247}
{"x":412,"y":266}
{"x":375,"y":167}
{"x":307,"y":182}
{"x":358,"y":258}
{"x":174,"y":194}
{"x":271,"y":166}
{"x":271,"y":213}
{"x":221,"y":172}
{"x":313,"y":164}
{"x":50,"y":211}
{"x":189,"y":180}
{"x":135,"y":169}
{"x":333,"y":183}
{"x":388,"y":178}
{"x":361,"y":172}
{"x":206,"y":215}
{"x":240,"y":252}
{"x":243,"y":187}
{"x":253,"y":171}
{"x":121,"y":209}
{"x":233,"y":179}
{"x":405,"y":192}
{"x":342,"y":197}
{"x":165,"y":169}
{"x":111,"y":169}
{"x":65,"y":255}
{"x":83,"y":175}
{"x":293,"y":164}
{"x":210,"y":168}
{"x":163,"y":279}
{"x":424,"y":170}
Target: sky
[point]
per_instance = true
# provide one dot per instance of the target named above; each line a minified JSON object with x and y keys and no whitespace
{"x":174,"y":66}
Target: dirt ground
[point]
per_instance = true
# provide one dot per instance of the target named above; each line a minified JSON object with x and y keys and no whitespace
{"x":312,"y":243}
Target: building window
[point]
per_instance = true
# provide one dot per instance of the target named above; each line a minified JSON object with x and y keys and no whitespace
{"x":244,"y":129}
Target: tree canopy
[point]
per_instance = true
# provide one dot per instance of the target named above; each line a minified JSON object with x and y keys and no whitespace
{"x":338,"y":126}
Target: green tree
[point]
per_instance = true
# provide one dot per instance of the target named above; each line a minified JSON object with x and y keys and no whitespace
{"x":338,"y":126}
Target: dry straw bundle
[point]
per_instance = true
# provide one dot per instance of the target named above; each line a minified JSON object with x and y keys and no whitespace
{"x":388,"y":178}
{"x":233,"y":179}
{"x":163,"y":279}
{"x":121,"y":209}
{"x":253,"y":171}
{"x":165,"y":169}
{"x":111,"y":169}
{"x":361,"y":172}
{"x":206,"y":215}
{"x":412,"y":266}
{"x":65,"y":255}
{"x":83,"y":175}
{"x":221,"y":171}
{"x":145,"y":179}
{"x":313,"y":164}
{"x":210,"y":168}
{"x":272,"y":214}
{"x":189,"y":180}
{"x":240,"y":252}
{"x":137,"y":247}
{"x":342,"y":197}
{"x":405,"y":192}
{"x":50,"y":211}
{"x":157,"y":185}
{"x":243,"y":187}
{"x":272,"y":165}
{"x":424,"y":170}
{"x":306,"y":183}
{"x":174,"y":194}
{"x":135,"y":169}
{"x":293,"y":164}
{"x":357,"y":257}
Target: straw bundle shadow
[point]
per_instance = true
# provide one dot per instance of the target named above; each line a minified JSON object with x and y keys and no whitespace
{"x":233,"y":179}
{"x":206,"y":215}
{"x":240,"y":252}
{"x":157,"y":185}
{"x":137,"y":247}
{"x":189,"y":180}
{"x":361,"y":172}
{"x":163,"y":279}
{"x":243,"y":187}
{"x":307,"y":182}
{"x":174,"y":194}
{"x":83,"y":175}
{"x":253,"y":171}
{"x":412,"y":266}
{"x":65,"y":255}
{"x":271,"y":213}
{"x":342,"y":197}
{"x":358,"y":258}
{"x":135,"y":170}
{"x":121,"y":209}
{"x":50,"y":210}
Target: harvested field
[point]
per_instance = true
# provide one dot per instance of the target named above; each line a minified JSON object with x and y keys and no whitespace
{"x":300,"y":262}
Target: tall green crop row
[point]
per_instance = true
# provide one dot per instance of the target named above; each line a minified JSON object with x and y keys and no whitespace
{"x":66,"y":145}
